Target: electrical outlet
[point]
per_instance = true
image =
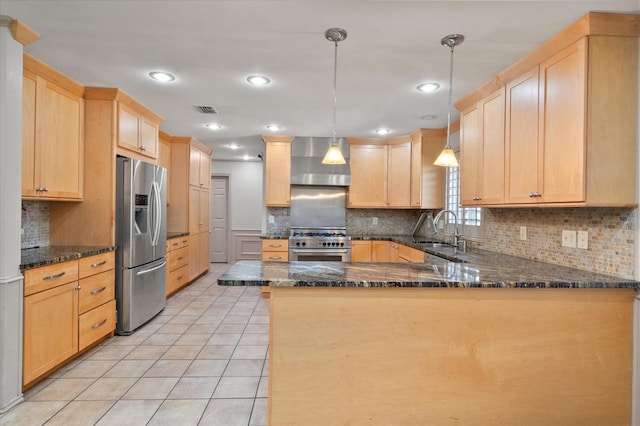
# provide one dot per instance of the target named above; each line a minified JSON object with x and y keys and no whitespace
{"x":568,"y":238}
{"x":583,"y":240}
{"x":523,"y":233}
{"x":375,"y":221}
{"x":272,"y":219}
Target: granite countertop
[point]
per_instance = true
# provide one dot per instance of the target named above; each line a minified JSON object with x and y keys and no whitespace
{"x":42,"y":256}
{"x":171,"y":235}
{"x":475,"y":268}
{"x":275,"y":236}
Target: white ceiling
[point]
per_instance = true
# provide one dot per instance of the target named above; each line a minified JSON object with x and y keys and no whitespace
{"x":212,"y":46}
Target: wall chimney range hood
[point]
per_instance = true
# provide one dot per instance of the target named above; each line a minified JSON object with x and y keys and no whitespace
{"x":306,"y":162}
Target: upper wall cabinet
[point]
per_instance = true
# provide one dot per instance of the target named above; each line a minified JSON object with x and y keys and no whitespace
{"x":396,"y":172}
{"x":571,"y":109}
{"x":52,"y":134}
{"x":277,"y":168}
{"x":482,"y":151}
{"x":137,"y":126}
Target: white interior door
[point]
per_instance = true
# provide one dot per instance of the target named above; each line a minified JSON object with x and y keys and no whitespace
{"x":219,"y":219}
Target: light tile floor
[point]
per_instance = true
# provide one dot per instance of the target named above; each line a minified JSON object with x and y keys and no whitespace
{"x":201,"y":361}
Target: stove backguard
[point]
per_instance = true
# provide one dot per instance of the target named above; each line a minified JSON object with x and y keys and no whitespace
{"x":318,"y":207}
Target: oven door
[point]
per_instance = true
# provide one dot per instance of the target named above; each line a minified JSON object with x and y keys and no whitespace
{"x":320,"y":255}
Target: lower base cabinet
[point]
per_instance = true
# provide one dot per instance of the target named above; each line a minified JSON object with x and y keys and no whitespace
{"x":384,"y":251}
{"x":178,"y":261}
{"x":68,"y":307}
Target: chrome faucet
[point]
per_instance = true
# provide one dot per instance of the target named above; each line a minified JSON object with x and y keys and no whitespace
{"x":434,"y":228}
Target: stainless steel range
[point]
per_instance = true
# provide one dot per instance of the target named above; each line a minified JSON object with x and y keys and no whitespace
{"x":319,"y":244}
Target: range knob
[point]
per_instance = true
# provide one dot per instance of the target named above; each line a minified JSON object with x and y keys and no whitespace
{"x":304,"y":244}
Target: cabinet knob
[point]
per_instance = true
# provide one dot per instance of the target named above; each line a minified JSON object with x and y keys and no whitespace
{"x":142,"y":148}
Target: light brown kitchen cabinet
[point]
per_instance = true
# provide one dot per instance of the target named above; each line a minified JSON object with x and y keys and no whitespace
{"x":395,"y":173}
{"x":381,"y":251}
{"x":136,"y":132}
{"x":52,"y":134}
{"x":275,"y":250}
{"x":164,"y":158}
{"x":92,"y":221}
{"x":189,"y":210}
{"x":410,"y":255}
{"x":277,"y":166}
{"x":571,"y":118}
{"x":68,"y":307}
{"x":360,"y":251}
{"x":178,"y":264}
{"x":482,"y":152}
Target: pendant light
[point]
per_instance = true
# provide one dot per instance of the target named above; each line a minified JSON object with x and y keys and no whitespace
{"x":333,"y":155}
{"x":447,"y":157}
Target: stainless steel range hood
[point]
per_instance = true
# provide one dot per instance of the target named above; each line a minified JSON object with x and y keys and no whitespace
{"x":306,"y":162}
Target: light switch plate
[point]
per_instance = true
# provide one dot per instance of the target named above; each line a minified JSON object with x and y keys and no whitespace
{"x":271,"y":219}
{"x":375,"y":221}
{"x":568,"y":239}
{"x":583,"y":240}
{"x":523,"y":233}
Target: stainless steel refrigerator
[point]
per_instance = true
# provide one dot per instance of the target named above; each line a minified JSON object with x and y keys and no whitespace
{"x":141,"y":235}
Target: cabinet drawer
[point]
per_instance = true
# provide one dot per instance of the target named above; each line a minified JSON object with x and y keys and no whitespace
{"x":96,"y":323}
{"x":275,"y":245}
{"x":275,"y":256}
{"x":39,"y":279}
{"x":96,"y":290}
{"x":174,"y":243}
{"x":96,"y":264}
{"x":177,"y":279}
{"x":184,"y":241}
{"x":178,"y":258}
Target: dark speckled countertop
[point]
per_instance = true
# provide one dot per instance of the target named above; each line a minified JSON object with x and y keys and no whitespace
{"x":476,"y":268}
{"x":171,"y":235}
{"x":42,"y":256}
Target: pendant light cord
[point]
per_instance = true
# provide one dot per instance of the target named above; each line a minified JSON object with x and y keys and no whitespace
{"x":450,"y":97}
{"x":335,"y":77}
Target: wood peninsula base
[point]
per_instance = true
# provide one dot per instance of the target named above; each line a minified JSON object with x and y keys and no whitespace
{"x":440,"y":356}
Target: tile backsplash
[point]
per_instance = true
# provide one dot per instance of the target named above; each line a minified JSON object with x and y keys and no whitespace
{"x":35,"y":223}
{"x":611,"y":237}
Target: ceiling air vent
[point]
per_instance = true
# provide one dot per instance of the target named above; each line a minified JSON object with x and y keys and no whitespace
{"x":205,"y":109}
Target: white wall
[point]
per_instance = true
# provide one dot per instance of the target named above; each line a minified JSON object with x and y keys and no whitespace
{"x":245,"y":192}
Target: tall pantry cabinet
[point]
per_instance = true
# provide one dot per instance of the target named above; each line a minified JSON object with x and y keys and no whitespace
{"x":190,"y":186}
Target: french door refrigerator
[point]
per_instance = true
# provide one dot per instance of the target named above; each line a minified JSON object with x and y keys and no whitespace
{"x":141,"y":235}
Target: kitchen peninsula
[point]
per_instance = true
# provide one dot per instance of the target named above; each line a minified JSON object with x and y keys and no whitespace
{"x":495,"y":340}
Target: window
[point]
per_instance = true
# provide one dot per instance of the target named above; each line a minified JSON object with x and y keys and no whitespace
{"x":469,"y":218}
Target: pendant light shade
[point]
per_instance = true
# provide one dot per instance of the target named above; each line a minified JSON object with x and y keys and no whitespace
{"x":333,"y":155}
{"x":447,"y":157}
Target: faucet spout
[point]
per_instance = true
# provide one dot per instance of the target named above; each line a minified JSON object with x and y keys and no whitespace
{"x":434,"y":224}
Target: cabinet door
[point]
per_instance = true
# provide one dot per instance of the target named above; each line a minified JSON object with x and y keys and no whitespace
{"x":278,"y":174}
{"x":148,"y":138}
{"x":521,"y":138}
{"x":360,"y":251}
{"x":205,"y":171}
{"x":492,"y":169}
{"x":368,"y":176}
{"x":194,"y":210}
{"x":28,"y":135}
{"x":61,"y":144}
{"x":470,"y":156}
{"x":394,"y":252}
{"x":416,"y":173}
{"x":562,"y":125}
{"x":194,"y":166}
{"x":204,"y":207}
{"x":194,"y":255}
{"x":203,"y":252}
{"x":381,"y":251}
{"x":50,"y":329}
{"x":399,"y":175}
{"x":128,"y":128}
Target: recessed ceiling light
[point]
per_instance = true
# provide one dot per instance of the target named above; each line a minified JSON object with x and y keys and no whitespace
{"x":214,"y":126}
{"x":258,"y":80}
{"x":382,"y":131}
{"x":428,"y":117}
{"x":161,"y":76}
{"x":428,"y":87}
{"x":273,"y":127}
{"x":233,"y":146}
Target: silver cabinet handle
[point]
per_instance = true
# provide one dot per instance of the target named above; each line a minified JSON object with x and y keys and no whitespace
{"x":95,"y":265}
{"x":275,"y":257}
{"x":275,"y":245}
{"x":100,"y":290}
{"x":54,"y":276}
{"x":99,"y":324}
{"x":142,"y":148}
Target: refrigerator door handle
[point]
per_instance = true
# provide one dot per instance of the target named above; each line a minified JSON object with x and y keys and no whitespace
{"x":150,"y":214}
{"x":158,"y":212}
{"x":155,"y":268}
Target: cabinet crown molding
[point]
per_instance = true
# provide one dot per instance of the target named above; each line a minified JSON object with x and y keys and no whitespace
{"x":115,"y":94}
{"x":33,"y":65}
